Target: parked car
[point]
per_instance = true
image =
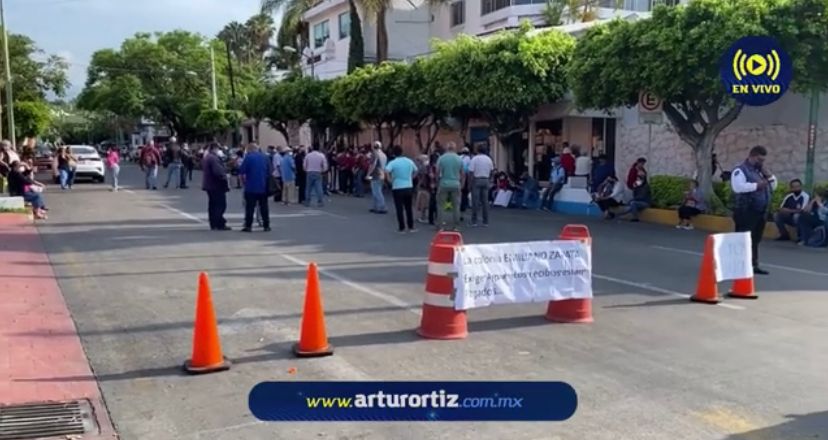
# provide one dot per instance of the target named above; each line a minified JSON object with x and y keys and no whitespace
{"x":90,"y":165}
{"x":44,"y":158}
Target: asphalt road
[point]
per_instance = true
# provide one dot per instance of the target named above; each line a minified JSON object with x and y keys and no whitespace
{"x":652,"y":366}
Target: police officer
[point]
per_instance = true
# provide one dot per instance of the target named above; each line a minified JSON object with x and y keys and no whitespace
{"x":752,"y":186}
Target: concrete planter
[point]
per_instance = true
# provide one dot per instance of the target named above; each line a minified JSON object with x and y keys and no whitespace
{"x":11,"y":203}
{"x":705,"y":222}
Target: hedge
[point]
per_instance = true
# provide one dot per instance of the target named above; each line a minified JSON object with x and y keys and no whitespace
{"x":668,"y":193}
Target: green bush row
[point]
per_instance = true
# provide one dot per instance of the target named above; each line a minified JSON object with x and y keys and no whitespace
{"x":668,"y":193}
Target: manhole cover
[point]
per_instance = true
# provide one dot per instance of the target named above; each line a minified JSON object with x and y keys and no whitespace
{"x":46,"y":419}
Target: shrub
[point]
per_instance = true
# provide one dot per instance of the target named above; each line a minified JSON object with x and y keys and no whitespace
{"x":668,"y":191}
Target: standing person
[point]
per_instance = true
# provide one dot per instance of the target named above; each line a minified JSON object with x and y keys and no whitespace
{"x":287,"y":168}
{"x":377,"y":175}
{"x":423,"y":189}
{"x":62,"y":167}
{"x":432,"y":193}
{"x":480,"y":169}
{"x":752,"y":186}
{"x":316,"y":164}
{"x":187,"y":165}
{"x":276,"y":156}
{"x":466,"y":190}
{"x":568,"y":160}
{"x":214,"y":182}
{"x":113,"y":162}
{"x":363,"y":162}
{"x":401,"y":173}
{"x":451,"y":179}
{"x":149,"y":160}
{"x":301,"y":175}
{"x":255,"y":171}
{"x":174,"y":162}
{"x":345,"y":162}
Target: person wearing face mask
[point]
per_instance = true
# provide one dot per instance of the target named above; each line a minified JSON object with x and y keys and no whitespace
{"x":752,"y":186}
{"x":791,"y":209}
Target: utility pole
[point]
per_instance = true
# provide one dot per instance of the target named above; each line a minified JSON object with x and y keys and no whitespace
{"x":813,"y":118}
{"x":9,"y":93}
{"x":213,"y":77}
{"x":232,"y":89}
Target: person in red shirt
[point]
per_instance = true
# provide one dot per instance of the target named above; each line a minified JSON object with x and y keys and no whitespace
{"x":363,"y":163}
{"x":345,"y":161}
{"x":637,"y":173}
{"x":568,"y":160}
{"x":149,"y":161}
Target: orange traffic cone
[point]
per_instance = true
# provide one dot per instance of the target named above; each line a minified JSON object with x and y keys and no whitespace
{"x":743,"y":289}
{"x":313,"y":339}
{"x":707,"y":291}
{"x":576,"y":310}
{"x":207,"y":356}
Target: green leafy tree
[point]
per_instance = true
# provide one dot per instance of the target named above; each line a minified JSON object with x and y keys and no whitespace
{"x":218,"y":121}
{"x":374,"y":94}
{"x":504,"y":78}
{"x":165,"y":77}
{"x":34,"y":74}
{"x":31,"y":118}
{"x":676,"y":54}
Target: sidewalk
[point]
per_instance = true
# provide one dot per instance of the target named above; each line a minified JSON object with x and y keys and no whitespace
{"x":33,"y":321}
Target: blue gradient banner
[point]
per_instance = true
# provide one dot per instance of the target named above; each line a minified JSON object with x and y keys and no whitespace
{"x":412,"y":401}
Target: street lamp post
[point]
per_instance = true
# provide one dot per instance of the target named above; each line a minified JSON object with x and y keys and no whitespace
{"x":310,"y":57}
{"x":9,"y":93}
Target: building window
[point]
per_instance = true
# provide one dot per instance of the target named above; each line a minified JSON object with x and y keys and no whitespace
{"x":458,"y":13}
{"x":321,"y":32}
{"x":344,"y":25}
{"x":530,"y":2}
{"x":489,"y":6}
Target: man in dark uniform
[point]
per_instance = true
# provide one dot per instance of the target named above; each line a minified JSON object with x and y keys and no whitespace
{"x":752,"y":186}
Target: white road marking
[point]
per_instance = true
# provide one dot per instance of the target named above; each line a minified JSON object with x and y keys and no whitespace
{"x":774,"y":266}
{"x":415,"y":309}
{"x":657,"y":289}
{"x":393,"y":300}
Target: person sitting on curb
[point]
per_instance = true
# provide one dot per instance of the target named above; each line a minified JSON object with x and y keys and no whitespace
{"x":642,"y":198}
{"x":608,"y":196}
{"x":557,"y":179}
{"x":22,"y":184}
{"x":692,"y":206}
{"x":813,"y":221}
{"x":791,"y":209}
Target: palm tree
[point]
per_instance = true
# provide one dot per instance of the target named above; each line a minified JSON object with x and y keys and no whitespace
{"x":378,"y":9}
{"x":293,"y":30}
{"x":260,"y":31}
{"x":235,"y":37}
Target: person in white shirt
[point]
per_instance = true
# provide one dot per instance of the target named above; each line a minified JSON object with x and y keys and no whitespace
{"x":480,"y":167}
{"x":583,"y":163}
{"x":609,"y":195}
{"x":376,"y":172}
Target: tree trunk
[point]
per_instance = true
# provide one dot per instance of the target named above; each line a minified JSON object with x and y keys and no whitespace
{"x":382,"y":36}
{"x":418,"y":137}
{"x":704,"y":173}
{"x":293,"y":132}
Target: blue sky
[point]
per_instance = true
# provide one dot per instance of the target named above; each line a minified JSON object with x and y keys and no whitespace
{"x":75,"y":29}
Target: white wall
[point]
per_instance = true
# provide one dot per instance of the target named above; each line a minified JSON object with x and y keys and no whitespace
{"x":781,"y":127}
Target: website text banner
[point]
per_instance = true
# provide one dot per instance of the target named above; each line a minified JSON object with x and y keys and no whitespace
{"x":535,"y":271}
{"x":412,"y":401}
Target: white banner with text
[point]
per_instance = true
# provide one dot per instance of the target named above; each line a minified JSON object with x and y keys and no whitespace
{"x":508,"y":273}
